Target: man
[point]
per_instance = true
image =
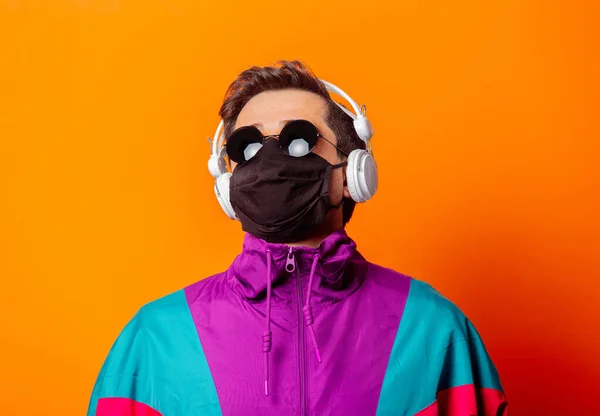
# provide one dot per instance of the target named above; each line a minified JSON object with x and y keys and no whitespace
{"x":300,"y":323}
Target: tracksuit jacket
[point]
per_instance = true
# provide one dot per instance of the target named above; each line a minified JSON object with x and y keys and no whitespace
{"x":299,"y":331}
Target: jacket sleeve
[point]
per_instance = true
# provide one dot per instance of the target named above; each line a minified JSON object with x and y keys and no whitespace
{"x":125,"y":384}
{"x":468,"y":381}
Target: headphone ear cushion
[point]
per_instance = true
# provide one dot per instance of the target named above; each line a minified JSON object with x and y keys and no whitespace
{"x":222,"y":193}
{"x":351,"y":176}
{"x":368,"y":178}
{"x":362,"y":175}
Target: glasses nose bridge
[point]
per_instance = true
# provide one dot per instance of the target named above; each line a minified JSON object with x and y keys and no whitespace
{"x":271,"y":136}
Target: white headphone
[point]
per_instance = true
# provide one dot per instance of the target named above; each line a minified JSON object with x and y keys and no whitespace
{"x":361,"y":171}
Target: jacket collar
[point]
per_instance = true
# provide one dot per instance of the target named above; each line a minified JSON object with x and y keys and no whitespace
{"x":340,"y":269}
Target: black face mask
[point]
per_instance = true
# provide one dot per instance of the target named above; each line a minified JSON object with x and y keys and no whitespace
{"x":281,"y":198}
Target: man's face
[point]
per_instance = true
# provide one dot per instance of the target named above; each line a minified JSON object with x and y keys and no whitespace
{"x":269,"y":111}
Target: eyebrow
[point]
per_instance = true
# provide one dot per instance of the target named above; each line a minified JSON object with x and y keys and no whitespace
{"x":282,"y":123}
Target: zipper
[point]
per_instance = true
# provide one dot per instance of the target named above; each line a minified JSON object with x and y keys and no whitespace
{"x":290,"y":266}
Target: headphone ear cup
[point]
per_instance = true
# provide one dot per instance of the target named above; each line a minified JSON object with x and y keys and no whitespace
{"x":222,"y":193}
{"x":351,"y":176}
{"x":361,"y":175}
{"x":217,"y":165}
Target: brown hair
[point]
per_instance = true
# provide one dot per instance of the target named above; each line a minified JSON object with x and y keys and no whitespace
{"x":290,"y":75}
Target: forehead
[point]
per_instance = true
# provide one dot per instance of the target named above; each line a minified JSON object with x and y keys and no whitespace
{"x":268,"y":109}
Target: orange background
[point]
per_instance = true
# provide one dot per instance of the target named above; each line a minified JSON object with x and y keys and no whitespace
{"x":486,"y":119}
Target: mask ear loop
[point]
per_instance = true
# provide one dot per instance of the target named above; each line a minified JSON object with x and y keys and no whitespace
{"x":340,"y":165}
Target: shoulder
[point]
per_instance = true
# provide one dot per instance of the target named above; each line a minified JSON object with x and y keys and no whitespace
{"x":421,"y":301}
{"x":169,"y":310}
{"x":155,"y":320}
{"x":153,"y":315}
{"x":430,"y":309}
{"x":427,"y":317}
{"x":151,"y":326}
{"x":423,"y":304}
{"x":432,"y":305}
{"x":159,"y":339}
{"x":159,"y":343}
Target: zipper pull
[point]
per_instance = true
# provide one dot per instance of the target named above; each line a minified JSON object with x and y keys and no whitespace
{"x":290,"y":264}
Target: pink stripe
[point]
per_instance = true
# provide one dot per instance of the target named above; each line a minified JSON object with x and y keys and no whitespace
{"x":431,"y":410}
{"x":117,"y":406}
{"x":469,"y":400}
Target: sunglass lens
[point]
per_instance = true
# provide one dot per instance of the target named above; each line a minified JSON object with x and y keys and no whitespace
{"x":243,"y":144}
{"x":298,"y":138}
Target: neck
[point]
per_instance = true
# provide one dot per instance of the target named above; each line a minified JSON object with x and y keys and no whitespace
{"x":315,"y":240}
{"x":312,"y":242}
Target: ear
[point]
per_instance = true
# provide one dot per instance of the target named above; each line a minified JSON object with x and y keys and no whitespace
{"x":346,"y":191}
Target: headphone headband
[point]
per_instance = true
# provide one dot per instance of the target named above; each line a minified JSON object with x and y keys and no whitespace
{"x":332,"y":88}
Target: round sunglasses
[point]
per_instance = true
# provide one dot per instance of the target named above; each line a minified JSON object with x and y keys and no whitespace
{"x":297,"y":138}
